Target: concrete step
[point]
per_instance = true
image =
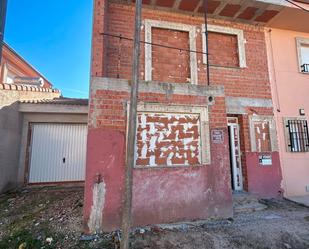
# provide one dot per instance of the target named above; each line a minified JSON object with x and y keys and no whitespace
{"x":250,"y":207}
{"x":244,"y":202}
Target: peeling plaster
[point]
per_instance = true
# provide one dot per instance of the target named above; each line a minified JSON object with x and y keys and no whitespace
{"x":272,"y":132}
{"x":154,"y":133}
{"x":96,"y":215}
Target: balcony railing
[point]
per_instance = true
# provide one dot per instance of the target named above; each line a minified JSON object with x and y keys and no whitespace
{"x":305,"y":68}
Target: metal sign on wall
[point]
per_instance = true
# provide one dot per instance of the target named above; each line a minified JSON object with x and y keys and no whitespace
{"x":265,"y":160}
{"x":217,"y":136}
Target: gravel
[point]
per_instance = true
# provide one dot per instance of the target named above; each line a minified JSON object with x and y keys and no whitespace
{"x":52,"y":218}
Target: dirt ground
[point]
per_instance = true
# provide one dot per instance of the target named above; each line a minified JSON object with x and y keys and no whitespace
{"x":48,"y":218}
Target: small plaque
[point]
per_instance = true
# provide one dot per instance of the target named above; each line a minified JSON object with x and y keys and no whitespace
{"x":217,"y":136}
{"x":265,"y":160}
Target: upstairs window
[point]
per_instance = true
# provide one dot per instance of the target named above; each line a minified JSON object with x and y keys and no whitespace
{"x":297,"y":135}
{"x":228,"y":43}
{"x":303,"y":54}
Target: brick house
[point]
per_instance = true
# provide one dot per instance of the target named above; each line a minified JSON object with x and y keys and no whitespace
{"x":195,"y":142}
{"x":14,"y":69}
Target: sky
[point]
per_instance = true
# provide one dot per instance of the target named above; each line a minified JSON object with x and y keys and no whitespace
{"x":54,"y":36}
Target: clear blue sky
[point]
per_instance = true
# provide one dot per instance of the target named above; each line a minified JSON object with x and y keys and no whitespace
{"x":55,"y":37}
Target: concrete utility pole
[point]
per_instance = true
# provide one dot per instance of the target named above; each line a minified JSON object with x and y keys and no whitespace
{"x":2,"y":24}
{"x":127,"y":204}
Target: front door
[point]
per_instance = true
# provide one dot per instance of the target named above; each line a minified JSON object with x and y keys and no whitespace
{"x":235,"y":154}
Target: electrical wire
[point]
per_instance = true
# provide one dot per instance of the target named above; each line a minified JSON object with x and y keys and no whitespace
{"x":154,"y":44}
{"x":298,"y":6}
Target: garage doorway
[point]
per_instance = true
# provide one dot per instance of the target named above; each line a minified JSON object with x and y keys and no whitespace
{"x":57,"y":153}
{"x":235,"y":154}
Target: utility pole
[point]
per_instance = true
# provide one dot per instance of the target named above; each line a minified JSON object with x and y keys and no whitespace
{"x":2,"y":24}
{"x":127,"y":202}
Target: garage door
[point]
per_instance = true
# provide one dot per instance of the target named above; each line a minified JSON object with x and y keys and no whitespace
{"x":58,"y":153}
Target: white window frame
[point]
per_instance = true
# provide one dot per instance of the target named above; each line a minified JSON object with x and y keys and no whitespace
{"x":149,"y":24}
{"x":272,"y":132}
{"x":229,"y":31}
{"x":299,"y":43}
{"x":202,"y":111}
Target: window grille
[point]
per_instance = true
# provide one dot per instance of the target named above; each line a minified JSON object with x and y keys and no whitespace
{"x":305,"y":68}
{"x":298,"y":135}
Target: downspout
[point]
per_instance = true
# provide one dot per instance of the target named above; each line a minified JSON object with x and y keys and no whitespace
{"x":277,"y":107}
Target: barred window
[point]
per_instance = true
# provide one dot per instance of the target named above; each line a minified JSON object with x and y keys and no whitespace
{"x":298,"y":135}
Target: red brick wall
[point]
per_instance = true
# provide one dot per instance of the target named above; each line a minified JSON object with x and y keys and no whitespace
{"x":262,"y":136}
{"x":175,"y":193}
{"x":160,"y":195}
{"x":170,"y":65}
{"x":252,"y":81}
{"x":223,"y":50}
{"x":168,"y":139}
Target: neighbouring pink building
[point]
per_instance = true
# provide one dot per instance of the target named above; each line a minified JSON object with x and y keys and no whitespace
{"x":288,"y":50}
{"x":195,"y":143}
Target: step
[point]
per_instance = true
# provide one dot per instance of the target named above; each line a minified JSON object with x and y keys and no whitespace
{"x":249,"y":207}
{"x":245,"y":202}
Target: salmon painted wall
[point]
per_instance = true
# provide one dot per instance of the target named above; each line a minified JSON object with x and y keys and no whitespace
{"x":290,"y":90}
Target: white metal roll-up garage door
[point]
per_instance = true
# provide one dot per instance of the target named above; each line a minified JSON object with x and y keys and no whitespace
{"x":58,"y":153}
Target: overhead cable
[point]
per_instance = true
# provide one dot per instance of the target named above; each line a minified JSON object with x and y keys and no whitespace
{"x":154,"y":44}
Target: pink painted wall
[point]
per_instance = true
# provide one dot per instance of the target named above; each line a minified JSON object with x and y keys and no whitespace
{"x":290,"y":90}
{"x":264,"y":180}
{"x":160,"y":195}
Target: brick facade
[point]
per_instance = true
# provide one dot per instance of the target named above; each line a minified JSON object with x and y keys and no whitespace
{"x":168,"y":194}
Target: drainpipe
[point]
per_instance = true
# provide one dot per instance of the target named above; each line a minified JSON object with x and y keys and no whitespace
{"x":3,"y":6}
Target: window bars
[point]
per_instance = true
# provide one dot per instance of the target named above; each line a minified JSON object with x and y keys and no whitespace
{"x":305,"y":68}
{"x":298,"y":135}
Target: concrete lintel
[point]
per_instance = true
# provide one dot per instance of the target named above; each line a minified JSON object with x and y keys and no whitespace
{"x":281,"y":3}
{"x":238,"y":105}
{"x":52,"y":108}
{"x":157,"y":87}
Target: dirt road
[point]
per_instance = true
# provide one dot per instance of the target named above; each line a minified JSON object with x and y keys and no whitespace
{"x":53,"y":219}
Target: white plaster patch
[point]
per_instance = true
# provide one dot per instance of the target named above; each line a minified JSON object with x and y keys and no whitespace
{"x":143,"y":121}
{"x":153,"y":141}
{"x":171,"y":138}
{"x":96,"y":214}
{"x":152,"y":161}
{"x":144,"y":151}
{"x":169,"y":159}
